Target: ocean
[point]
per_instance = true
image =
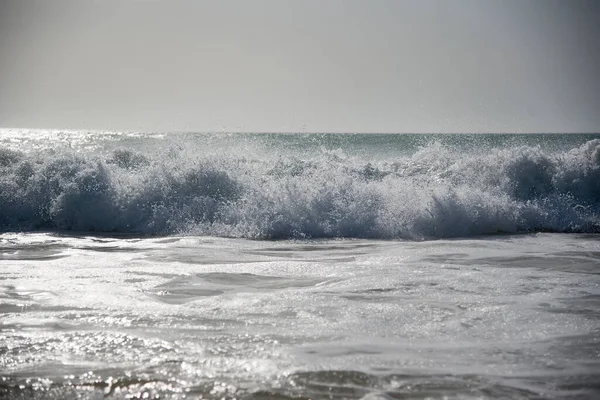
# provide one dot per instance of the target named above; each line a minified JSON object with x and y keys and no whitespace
{"x":140,"y":265}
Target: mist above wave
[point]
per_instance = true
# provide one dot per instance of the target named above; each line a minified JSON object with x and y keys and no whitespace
{"x":438,"y":191}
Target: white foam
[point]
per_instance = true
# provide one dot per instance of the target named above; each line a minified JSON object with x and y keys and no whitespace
{"x":258,"y":191}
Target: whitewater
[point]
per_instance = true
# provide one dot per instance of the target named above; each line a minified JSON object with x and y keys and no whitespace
{"x":274,"y":266}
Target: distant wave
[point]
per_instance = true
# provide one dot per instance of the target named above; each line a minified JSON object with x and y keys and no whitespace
{"x":437,"y":192}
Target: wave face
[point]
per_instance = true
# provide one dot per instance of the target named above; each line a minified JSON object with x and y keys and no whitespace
{"x":299,"y":186}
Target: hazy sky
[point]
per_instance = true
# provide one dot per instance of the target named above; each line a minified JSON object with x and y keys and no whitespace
{"x":301,"y":65}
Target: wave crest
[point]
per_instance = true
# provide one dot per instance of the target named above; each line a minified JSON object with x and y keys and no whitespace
{"x":437,"y":192}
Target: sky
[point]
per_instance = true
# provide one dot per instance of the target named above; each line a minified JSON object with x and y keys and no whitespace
{"x":301,"y":65}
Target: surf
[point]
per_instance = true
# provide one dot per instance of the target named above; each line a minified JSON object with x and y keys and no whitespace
{"x":301,"y":187}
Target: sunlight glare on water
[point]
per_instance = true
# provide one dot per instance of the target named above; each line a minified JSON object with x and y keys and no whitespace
{"x":214,"y":318}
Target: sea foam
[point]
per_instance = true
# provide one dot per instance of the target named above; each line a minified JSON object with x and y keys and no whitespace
{"x":437,"y":191}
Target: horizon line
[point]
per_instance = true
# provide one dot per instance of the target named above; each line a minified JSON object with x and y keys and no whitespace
{"x":310,"y":132}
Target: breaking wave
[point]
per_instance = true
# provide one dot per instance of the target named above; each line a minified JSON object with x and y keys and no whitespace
{"x":436,"y":192}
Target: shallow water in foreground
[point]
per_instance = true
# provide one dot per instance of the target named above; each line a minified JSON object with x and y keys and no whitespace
{"x":204,"y":317}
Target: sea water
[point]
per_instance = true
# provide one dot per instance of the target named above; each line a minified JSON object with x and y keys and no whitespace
{"x":270,"y":266}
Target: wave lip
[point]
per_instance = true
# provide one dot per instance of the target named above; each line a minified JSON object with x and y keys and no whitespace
{"x":436,"y":192}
